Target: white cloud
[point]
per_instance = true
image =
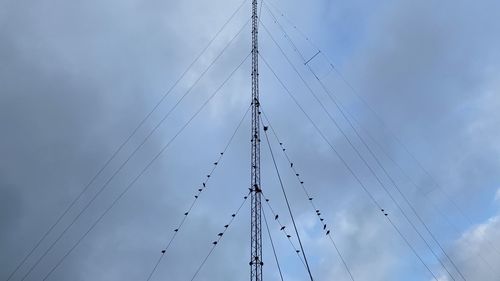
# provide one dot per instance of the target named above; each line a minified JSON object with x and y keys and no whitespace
{"x":477,"y":252}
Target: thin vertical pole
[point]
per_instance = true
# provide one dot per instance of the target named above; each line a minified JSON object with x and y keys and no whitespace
{"x":256,"y":262}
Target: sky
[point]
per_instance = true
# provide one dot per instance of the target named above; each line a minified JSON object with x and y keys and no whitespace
{"x":418,"y":80}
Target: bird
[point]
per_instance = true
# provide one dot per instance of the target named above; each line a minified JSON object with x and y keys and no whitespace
{"x":245,"y":197}
{"x":220,"y":234}
{"x":204,"y":185}
{"x":196,"y":196}
{"x":291,"y":165}
{"x":297,"y":175}
{"x":233,"y":215}
{"x":301,"y":182}
{"x":328,"y":232}
{"x":276,"y":217}
{"x":186,"y":213}
{"x":297,"y":251}
{"x":289,"y":236}
{"x":199,"y":189}
{"x":163,"y":251}
{"x":310,"y":198}
{"x":324,"y":227}
{"x":283,"y":227}
{"x":176,"y":229}
{"x":226,"y":226}
{"x":265,"y":128}
{"x":215,"y":163}
{"x":215,"y":243}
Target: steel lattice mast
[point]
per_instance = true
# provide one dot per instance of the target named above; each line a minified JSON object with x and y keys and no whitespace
{"x":256,"y":208}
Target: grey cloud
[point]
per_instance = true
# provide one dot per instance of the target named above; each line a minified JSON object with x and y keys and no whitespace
{"x":76,"y":77}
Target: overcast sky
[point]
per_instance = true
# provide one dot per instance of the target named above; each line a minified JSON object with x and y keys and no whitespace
{"x":77,"y":77}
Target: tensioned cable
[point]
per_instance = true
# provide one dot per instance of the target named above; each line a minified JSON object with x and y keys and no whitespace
{"x":219,"y":237}
{"x":310,"y":199}
{"x":343,"y":111}
{"x":283,"y":229}
{"x":391,"y":133}
{"x":272,"y":245}
{"x":288,"y":204}
{"x":381,"y":121}
{"x":410,"y":179}
{"x":340,"y":108}
{"x":260,"y":9}
{"x":196,"y":197}
{"x":344,"y":162}
{"x":396,"y":186}
{"x":115,"y":153}
{"x":407,"y":151}
{"x":363,"y":159}
{"x":446,"y":194}
{"x":148,"y":165}
{"x":106,"y":184}
{"x":426,"y":195}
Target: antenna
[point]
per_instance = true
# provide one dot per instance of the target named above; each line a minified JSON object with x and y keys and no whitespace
{"x":256,"y":262}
